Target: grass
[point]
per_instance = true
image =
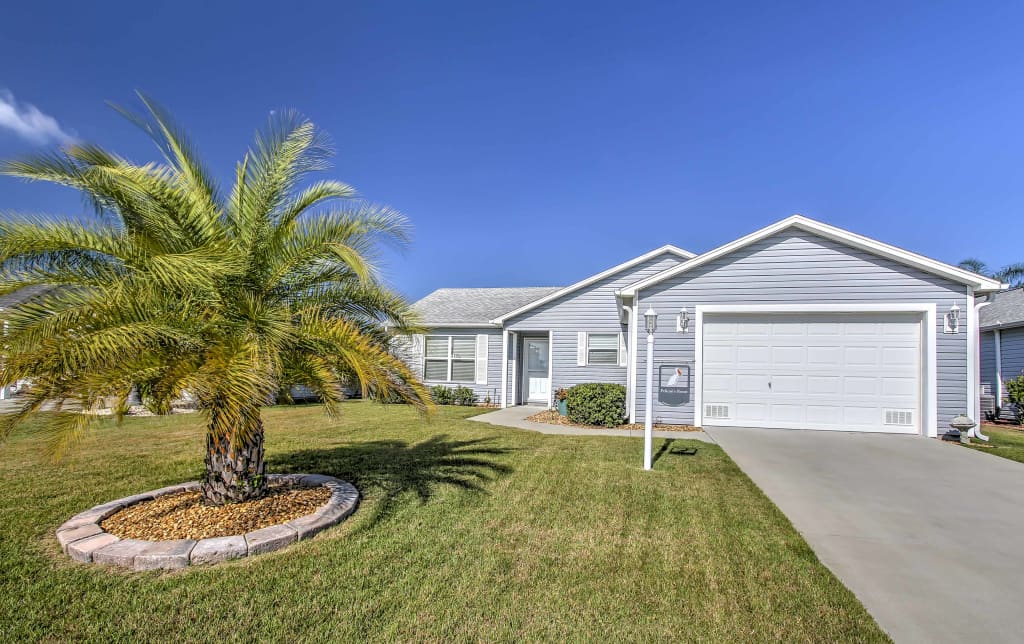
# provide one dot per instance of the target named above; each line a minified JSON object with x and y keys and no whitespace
{"x":465,"y":532}
{"x":1008,"y":441}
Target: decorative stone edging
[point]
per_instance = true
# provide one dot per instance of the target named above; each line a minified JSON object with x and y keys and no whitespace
{"x":82,"y":538}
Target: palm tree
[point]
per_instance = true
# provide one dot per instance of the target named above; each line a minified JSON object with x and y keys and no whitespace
{"x":177,"y":285}
{"x":1012,"y":274}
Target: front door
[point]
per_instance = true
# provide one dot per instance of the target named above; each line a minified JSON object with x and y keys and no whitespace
{"x":538,"y":381}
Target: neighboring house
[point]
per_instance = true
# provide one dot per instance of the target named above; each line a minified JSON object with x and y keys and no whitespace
{"x":1002,"y":349}
{"x":798,"y":325}
{"x":20,"y":296}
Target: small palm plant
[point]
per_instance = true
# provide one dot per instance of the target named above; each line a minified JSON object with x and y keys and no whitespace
{"x":229,"y":297}
{"x":1012,"y":274}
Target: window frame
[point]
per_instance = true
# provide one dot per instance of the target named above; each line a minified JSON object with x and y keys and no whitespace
{"x":618,"y":350}
{"x":450,"y":359}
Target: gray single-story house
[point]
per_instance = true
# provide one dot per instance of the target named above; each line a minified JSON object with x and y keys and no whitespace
{"x":797,"y":325}
{"x":1002,"y":349}
{"x":9,"y":300}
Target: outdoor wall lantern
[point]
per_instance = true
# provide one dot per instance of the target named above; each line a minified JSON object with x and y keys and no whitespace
{"x":953,"y":319}
{"x":683,"y":321}
{"x":651,"y":320}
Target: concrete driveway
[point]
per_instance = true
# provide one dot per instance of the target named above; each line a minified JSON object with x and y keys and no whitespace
{"x":929,"y":536}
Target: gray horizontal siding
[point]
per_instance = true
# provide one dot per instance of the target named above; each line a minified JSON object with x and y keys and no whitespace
{"x":795,"y":267}
{"x":493,"y":387}
{"x":593,"y":309}
{"x":987,"y":370}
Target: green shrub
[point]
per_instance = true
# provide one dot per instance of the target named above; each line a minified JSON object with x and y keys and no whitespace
{"x":597,"y":403}
{"x":1015,"y":388}
{"x":442,"y":395}
{"x":464,"y":396}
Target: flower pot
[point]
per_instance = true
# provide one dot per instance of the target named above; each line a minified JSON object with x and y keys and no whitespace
{"x":562,"y":407}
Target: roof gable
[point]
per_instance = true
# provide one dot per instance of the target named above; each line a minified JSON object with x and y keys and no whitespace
{"x":667,"y":249}
{"x":977,"y":282}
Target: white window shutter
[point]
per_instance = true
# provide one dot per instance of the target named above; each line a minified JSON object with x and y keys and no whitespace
{"x":581,"y":349}
{"x":622,"y":349}
{"x":417,"y":341}
{"x":481,"y":359}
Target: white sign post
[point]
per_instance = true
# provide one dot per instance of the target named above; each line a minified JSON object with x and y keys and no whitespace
{"x":651,"y":322}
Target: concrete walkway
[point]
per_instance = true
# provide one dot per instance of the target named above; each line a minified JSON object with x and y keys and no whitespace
{"x":928,"y":535}
{"x":516,"y":417}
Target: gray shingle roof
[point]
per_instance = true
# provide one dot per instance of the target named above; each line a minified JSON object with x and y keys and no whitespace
{"x":1006,"y":309}
{"x":23,"y":295}
{"x":475,"y":305}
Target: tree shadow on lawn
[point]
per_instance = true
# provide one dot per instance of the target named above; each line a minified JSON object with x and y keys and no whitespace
{"x":666,"y":448}
{"x":392,"y":468}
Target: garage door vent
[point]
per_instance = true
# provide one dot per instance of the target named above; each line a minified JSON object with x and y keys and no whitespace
{"x":899,"y":417}
{"x":712,"y":410}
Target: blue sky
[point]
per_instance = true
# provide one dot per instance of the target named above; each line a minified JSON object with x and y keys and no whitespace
{"x":537,"y":143}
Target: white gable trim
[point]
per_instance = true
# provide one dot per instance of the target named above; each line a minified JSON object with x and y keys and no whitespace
{"x":668,"y":248}
{"x":977,"y":282}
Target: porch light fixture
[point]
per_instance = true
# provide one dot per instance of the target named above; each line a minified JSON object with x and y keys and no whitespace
{"x":683,"y":321}
{"x":953,"y":319}
{"x":651,"y":323}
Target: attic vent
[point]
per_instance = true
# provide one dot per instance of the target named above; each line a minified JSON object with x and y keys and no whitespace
{"x":899,"y":417}
{"x":713,"y":410}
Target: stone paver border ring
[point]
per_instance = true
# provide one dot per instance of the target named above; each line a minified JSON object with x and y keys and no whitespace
{"x":82,"y":538}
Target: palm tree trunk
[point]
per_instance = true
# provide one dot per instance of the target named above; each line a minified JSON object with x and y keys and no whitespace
{"x":235,"y":470}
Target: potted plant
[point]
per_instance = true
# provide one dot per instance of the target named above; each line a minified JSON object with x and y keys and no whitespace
{"x":561,"y":395}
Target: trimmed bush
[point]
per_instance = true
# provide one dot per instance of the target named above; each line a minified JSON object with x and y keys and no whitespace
{"x":1015,"y":389}
{"x":442,"y":395}
{"x":597,"y":403}
{"x":464,"y":396}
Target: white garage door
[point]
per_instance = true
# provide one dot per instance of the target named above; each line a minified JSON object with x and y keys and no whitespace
{"x":838,"y":372}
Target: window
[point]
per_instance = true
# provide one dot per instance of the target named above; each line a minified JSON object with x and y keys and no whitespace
{"x":450,"y":358}
{"x":603,"y":348}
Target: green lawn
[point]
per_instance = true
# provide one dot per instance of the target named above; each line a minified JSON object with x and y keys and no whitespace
{"x":1007,"y":439}
{"x":466,"y":532}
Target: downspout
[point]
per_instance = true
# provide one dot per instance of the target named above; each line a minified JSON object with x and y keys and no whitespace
{"x":975,"y":331}
{"x":629,"y":355}
{"x":997,"y":338}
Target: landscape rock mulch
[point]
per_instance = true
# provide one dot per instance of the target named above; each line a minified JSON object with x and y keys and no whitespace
{"x":183,"y":516}
{"x":552,"y":417}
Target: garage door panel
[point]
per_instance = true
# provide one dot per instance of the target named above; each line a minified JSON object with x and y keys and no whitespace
{"x":900,"y":387}
{"x":719,"y":356}
{"x":789,"y":355}
{"x":747,"y":412}
{"x":786,"y":384}
{"x":825,"y":329}
{"x":839,"y":372}
{"x":860,"y":416}
{"x":824,"y":414}
{"x":751,"y":383}
{"x":719,"y":383}
{"x":824,"y":355}
{"x":899,"y":356}
{"x":861,"y":357}
{"x":860,"y":386}
{"x":751,"y":356}
{"x":828,"y":385}
{"x":792,"y":413}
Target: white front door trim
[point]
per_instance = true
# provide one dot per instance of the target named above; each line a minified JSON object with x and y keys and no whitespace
{"x":534,"y":388}
{"x":929,"y":375}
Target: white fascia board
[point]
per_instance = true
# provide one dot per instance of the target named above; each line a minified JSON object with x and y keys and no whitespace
{"x":668,"y":248}
{"x":977,"y":282}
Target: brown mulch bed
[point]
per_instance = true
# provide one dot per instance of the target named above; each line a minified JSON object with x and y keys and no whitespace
{"x":183,"y":516}
{"x":552,"y":417}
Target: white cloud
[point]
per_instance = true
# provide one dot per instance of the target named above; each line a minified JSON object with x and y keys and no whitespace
{"x":29,"y":123}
